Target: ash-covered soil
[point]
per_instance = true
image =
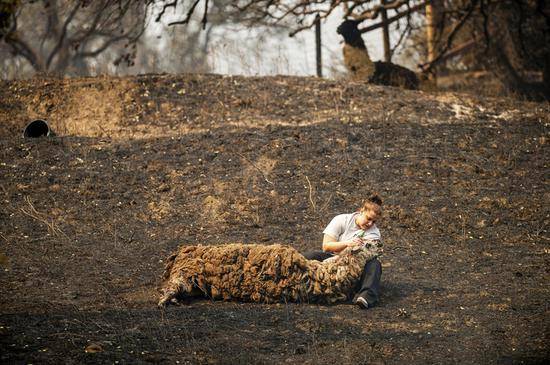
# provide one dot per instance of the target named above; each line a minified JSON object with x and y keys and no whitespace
{"x":143,"y":164}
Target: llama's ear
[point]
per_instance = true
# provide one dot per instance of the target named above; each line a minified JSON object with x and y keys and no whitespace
{"x":356,"y":22}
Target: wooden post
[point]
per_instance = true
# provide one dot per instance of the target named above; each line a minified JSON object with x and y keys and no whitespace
{"x":318,"y":45}
{"x":432,"y":18}
{"x":386,"y":33}
{"x":430,"y":31}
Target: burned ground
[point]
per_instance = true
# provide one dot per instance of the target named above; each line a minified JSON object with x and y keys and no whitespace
{"x":141,"y":165}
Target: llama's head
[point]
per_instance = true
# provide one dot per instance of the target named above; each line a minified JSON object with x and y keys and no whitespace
{"x":368,"y":248}
{"x":348,"y":29}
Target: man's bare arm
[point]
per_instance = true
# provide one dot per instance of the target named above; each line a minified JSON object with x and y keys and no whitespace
{"x":331,"y":244}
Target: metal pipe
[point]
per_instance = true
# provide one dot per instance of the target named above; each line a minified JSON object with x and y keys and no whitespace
{"x":37,"y":128}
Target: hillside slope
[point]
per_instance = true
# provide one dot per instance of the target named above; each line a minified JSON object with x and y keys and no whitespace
{"x":143,"y":164}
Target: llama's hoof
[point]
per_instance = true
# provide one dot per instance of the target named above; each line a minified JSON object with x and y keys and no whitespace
{"x":167,"y":298}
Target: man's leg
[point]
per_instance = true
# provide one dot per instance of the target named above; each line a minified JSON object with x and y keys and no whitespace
{"x":318,"y":255}
{"x":369,"y":284}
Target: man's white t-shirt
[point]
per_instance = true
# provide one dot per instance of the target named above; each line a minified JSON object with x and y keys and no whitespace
{"x":343,"y":228}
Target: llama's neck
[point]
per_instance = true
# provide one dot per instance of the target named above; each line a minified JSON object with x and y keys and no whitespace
{"x":349,"y":258}
{"x":356,"y":41}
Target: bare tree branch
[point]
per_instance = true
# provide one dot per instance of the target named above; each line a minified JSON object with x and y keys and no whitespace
{"x":205,"y":15}
{"x":173,"y":4}
{"x":301,"y":12}
{"x":188,"y":16}
{"x":20,"y":47}
{"x":374,"y":12}
{"x":426,"y":67}
{"x":54,"y":34}
{"x":62,"y":35}
{"x":394,"y":18}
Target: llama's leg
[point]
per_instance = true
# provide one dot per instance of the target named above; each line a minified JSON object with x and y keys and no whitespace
{"x":172,"y":291}
{"x":368,"y":286}
{"x":168,"y":294}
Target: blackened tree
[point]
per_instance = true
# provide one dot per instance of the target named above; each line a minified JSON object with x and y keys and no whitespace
{"x":59,"y":36}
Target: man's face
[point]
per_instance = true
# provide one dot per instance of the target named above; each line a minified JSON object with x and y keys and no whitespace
{"x":365,"y":219}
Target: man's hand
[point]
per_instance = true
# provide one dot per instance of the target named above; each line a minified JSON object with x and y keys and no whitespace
{"x":330,"y":244}
{"x":356,"y":241}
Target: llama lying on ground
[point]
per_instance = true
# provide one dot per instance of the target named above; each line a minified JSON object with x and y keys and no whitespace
{"x":262,"y":273}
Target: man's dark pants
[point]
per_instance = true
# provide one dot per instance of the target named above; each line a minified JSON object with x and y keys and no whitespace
{"x":368,"y":286}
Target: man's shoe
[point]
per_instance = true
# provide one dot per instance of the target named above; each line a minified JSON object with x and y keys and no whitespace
{"x":362,"y":303}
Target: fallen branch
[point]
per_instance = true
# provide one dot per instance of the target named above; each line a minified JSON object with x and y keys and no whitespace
{"x":33,"y":213}
{"x":310,"y":193}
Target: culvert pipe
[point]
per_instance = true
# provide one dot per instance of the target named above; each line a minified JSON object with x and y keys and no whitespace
{"x":37,"y":128}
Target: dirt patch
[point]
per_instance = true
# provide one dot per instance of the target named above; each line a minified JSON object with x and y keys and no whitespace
{"x":87,"y":107}
{"x":94,"y":112}
{"x":88,"y":218}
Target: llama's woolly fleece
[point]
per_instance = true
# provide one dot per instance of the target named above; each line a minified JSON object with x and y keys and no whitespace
{"x":262,"y":273}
